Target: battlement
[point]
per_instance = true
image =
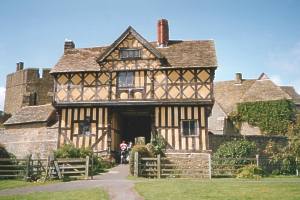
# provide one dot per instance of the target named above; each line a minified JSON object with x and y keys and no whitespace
{"x":27,"y":87}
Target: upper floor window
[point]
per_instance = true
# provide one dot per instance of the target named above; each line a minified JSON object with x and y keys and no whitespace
{"x":130,"y":53}
{"x":125,"y":79}
{"x":189,"y":127}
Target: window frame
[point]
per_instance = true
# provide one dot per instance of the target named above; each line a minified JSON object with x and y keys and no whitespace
{"x":85,"y":127}
{"x":196,"y":127}
{"x":126,"y":85}
{"x":135,"y":56}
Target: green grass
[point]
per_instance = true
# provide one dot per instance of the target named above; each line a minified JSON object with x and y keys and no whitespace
{"x":217,"y":189}
{"x":10,"y":183}
{"x":90,"y":194}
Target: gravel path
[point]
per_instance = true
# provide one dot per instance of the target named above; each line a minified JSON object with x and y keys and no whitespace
{"x":115,"y":182}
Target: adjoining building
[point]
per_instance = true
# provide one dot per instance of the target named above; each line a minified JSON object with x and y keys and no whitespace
{"x":136,"y":88}
{"x":229,"y":93}
{"x":32,"y":130}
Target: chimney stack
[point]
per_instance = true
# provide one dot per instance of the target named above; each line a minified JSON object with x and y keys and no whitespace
{"x":20,"y":66}
{"x":69,"y":44}
{"x":238,"y":78}
{"x":162,"y":33}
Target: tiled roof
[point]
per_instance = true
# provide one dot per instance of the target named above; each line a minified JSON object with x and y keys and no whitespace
{"x":229,"y":93}
{"x":178,"y":53}
{"x":32,"y":114}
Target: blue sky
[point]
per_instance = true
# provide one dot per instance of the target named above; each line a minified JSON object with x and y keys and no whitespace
{"x":251,"y":36}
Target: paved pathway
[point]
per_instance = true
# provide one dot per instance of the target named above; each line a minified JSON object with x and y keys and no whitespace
{"x":115,"y":182}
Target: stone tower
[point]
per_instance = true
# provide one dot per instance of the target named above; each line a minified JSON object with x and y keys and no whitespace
{"x":27,"y":87}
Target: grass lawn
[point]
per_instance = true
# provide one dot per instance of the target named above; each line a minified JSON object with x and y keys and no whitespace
{"x":225,"y":189}
{"x":10,"y":183}
{"x":90,"y":194}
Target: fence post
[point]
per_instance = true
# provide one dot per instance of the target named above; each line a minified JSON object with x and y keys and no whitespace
{"x":27,"y":174}
{"x":297,"y":172}
{"x":209,"y":166}
{"x":87,"y":164}
{"x":92,"y":168}
{"x":257,"y":160}
{"x":136,"y":164}
{"x":158,"y":166}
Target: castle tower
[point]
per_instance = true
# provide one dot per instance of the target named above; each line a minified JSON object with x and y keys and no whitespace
{"x":26,"y":87}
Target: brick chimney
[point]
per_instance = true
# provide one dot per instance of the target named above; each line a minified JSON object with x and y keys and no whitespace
{"x":162,"y":32}
{"x":20,"y":66}
{"x":238,"y":78}
{"x":69,"y":44}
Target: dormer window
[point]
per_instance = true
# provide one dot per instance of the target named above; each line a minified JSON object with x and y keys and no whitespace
{"x":130,"y":53}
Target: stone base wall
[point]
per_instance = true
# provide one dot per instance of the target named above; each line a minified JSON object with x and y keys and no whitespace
{"x":39,"y":142}
{"x":195,"y":165}
{"x":260,"y":140}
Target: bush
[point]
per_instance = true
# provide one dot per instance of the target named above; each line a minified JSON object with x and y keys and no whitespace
{"x":143,"y":152}
{"x":250,"y":171}
{"x":235,"y":151}
{"x":3,"y":152}
{"x":158,"y":145}
{"x":69,"y":151}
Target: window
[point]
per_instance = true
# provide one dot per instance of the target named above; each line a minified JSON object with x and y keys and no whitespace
{"x":125,"y":79}
{"x":33,"y":99}
{"x":189,"y":127}
{"x":85,"y":126}
{"x":130,"y":53}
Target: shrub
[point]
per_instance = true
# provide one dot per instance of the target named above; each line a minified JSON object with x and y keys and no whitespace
{"x":3,"y":152}
{"x":272,"y":117}
{"x":250,"y":171}
{"x":69,"y":151}
{"x":158,"y":145}
{"x":143,"y":152}
{"x":236,"y":150}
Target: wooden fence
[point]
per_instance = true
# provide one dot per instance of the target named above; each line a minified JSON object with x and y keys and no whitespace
{"x":36,"y":168}
{"x":21,"y":168}
{"x":229,"y":167}
{"x":70,"y":167}
{"x":162,"y":167}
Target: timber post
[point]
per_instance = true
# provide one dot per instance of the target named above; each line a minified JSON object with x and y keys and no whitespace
{"x":257,"y":160}
{"x":158,"y":166}
{"x":27,"y":174}
{"x":297,"y":171}
{"x":136,"y":164}
{"x":87,"y":164}
{"x":209,"y":166}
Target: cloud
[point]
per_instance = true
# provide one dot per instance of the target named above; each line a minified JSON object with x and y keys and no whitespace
{"x":2,"y":96}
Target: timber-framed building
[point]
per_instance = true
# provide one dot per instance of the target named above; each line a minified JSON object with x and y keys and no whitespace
{"x":135,"y":88}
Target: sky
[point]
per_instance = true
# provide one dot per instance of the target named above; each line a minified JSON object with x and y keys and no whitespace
{"x":251,"y":36}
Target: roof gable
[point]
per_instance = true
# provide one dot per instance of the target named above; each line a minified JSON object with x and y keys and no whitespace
{"x":264,"y":90}
{"x":120,"y":42}
{"x":32,"y":114}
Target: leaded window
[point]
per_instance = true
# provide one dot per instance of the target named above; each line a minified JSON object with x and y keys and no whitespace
{"x":130,"y":53}
{"x":189,"y":127}
{"x":125,"y":79}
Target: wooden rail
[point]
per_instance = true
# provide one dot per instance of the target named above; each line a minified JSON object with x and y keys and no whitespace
{"x":161,"y":167}
{"x":33,"y":168}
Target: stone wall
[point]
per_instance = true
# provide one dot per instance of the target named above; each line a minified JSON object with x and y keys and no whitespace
{"x":21,"y":86}
{"x":261,"y":141}
{"x":36,"y":141}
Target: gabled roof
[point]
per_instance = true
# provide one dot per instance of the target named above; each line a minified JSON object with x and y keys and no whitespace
{"x":128,"y":31}
{"x":290,"y":90}
{"x":32,"y":114}
{"x":178,"y":53}
{"x":264,"y":90}
{"x":228,"y":93}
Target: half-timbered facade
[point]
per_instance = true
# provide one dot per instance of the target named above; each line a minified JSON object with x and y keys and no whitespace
{"x":135,"y":88}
